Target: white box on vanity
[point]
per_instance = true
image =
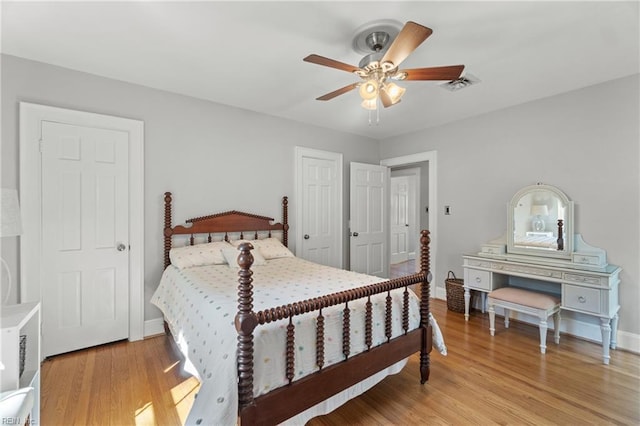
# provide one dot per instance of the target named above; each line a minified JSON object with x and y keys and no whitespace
{"x":542,"y":248}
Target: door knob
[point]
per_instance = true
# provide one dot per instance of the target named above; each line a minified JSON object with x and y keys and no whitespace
{"x":355,"y":234}
{"x":121,"y":247}
{"x":306,"y":236}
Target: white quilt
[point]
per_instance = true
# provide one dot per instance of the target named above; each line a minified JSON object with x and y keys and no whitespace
{"x":200,"y":304}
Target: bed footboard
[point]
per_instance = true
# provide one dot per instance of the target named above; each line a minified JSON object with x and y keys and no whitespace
{"x":283,"y":403}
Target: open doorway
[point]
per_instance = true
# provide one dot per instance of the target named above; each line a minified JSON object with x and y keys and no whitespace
{"x":404,"y":215}
{"x":425,"y":201}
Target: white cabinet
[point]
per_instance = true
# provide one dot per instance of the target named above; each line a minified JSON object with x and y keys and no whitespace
{"x":20,"y":351}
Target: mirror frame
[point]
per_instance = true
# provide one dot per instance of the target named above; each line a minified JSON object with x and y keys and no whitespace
{"x":567,"y":224}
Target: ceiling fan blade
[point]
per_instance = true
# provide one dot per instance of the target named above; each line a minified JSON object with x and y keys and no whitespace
{"x":450,"y":72}
{"x":409,"y":38}
{"x":321,"y":60}
{"x":338,"y":92}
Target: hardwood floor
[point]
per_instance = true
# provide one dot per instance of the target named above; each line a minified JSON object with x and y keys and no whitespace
{"x":402,"y":269}
{"x":482,"y":380}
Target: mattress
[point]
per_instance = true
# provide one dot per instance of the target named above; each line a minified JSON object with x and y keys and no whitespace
{"x":200,"y":303}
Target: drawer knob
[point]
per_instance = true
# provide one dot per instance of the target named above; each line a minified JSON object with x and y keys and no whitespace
{"x":478,"y":279}
{"x":582,"y":299}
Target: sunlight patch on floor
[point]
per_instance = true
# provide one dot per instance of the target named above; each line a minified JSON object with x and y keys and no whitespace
{"x":145,"y":415}
{"x":183,"y":396}
{"x":166,"y":370}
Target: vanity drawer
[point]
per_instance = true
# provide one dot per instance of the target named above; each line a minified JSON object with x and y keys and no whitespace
{"x":480,"y":280}
{"x":595,"y":259}
{"x":492,"y":249}
{"x":479,"y":263}
{"x":584,"y":279}
{"x":581,"y":298}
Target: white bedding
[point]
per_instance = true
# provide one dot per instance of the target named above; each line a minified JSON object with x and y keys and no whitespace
{"x":200,"y":304}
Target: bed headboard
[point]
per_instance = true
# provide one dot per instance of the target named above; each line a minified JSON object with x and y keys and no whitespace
{"x":222,"y":223}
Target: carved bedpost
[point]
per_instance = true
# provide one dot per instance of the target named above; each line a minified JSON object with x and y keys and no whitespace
{"x":560,"y":235}
{"x":246,"y":321}
{"x":424,"y":305}
{"x":285,"y":221}
{"x":167,"y":228}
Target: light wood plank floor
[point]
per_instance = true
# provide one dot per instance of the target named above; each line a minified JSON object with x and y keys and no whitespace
{"x":500,"y":380}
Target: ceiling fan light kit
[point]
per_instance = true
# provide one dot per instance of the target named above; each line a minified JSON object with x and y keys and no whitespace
{"x":379,"y":68}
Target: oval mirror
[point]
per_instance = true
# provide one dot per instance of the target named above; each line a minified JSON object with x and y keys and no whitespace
{"x":540,"y":222}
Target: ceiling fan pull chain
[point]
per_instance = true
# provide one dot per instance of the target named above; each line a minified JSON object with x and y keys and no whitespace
{"x":377,"y":109}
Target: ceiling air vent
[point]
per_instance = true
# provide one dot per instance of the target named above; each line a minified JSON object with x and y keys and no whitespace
{"x":460,"y":83}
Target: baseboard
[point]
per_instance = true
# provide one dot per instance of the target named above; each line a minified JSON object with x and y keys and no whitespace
{"x":587,"y":331}
{"x":629,"y":341}
{"x":153,"y":327}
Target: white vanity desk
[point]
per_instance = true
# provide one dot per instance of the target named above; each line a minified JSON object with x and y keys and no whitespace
{"x":579,"y":273}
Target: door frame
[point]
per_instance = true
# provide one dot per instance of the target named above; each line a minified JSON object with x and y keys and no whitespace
{"x":431,"y":157}
{"x":31,"y":196}
{"x":300,"y":153}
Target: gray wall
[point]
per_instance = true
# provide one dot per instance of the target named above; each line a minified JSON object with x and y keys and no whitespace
{"x":585,"y":142}
{"x":212,"y":157}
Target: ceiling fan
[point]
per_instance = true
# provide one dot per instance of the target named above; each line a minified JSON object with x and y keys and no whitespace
{"x":379,"y":70}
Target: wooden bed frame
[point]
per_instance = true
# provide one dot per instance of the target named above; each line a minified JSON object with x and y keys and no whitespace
{"x":284,"y":402}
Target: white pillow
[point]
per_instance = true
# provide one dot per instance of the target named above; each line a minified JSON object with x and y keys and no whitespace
{"x":198,"y":255}
{"x":270,"y":248}
{"x":231,"y":256}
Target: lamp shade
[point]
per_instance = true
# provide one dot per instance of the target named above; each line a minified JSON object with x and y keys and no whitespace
{"x":394,"y":91}
{"x":370,"y":104}
{"x":539,"y":210}
{"x":369,"y":90}
{"x":10,"y":213}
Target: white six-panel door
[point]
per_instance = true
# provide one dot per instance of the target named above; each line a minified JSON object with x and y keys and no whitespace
{"x":320,"y":233}
{"x":85,"y":293}
{"x":318,"y":239}
{"x":399,"y":216}
{"x":368,"y":224}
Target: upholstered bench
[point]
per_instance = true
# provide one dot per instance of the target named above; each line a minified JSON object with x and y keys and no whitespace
{"x":528,"y":302}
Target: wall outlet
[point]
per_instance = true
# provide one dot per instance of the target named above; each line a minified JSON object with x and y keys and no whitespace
{"x":447,"y":209}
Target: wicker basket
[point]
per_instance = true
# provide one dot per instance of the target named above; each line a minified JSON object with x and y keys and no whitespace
{"x":455,"y":292}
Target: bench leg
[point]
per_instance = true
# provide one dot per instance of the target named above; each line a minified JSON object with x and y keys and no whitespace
{"x":492,"y":319}
{"x":507,"y":315}
{"x":543,"y":335}
{"x":556,"y":326}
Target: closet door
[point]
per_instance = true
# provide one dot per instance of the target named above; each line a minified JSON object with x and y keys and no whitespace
{"x":319,"y":212}
{"x":85,"y":233}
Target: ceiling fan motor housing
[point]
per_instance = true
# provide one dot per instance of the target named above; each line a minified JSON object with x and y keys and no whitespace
{"x":377,"y":40}
{"x":371,"y":61}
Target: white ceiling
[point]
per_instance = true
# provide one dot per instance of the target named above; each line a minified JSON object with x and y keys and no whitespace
{"x":249,"y":54}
